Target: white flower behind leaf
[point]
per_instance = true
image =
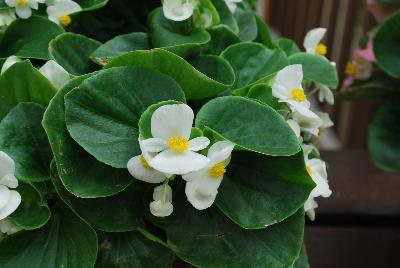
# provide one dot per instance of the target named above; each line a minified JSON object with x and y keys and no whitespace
{"x":162,"y":204}
{"x":61,"y":10}
{"x":9,"y":199}
{"x":7,"y":16}
{"x":232,"y":4}
{"x":10,"y":61}
{"x":178,"y":10}
{"x":170,"y":151}
{"x":312,"y":41}
{"x":202,"y":186}
{"x":23,"y":8}
{"x":55,"y":73}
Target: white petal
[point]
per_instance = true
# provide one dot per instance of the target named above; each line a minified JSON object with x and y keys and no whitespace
{"x":313,"y":38}
{"x":326,"y":120}
{"x":203,"y":183}
{"x":137,"y":170}
{"x":154,"y":145}
{"x":63,"y":7}
{"x":163,"y":193}
{"x":24,"y":12}
{"x":298,"y":105}
{"x":220,"y":152}
{"x":4,"y":195}
{"x":179,"y":163}
{"x":197,"y":200}
{"x":9,"y":62}
{"x":12,"y":205}
{"x":294,"y":126}
{"x":289,"y":77}
{"x":325,"y":93}
{"x":7,"y":165}
{"x":306,"y":118}
{"x":11,"y":3}
{"x":160,"y":209}
{"x":9,"y":180}
{"x":310,"y":204}
{"x":172,"y":120}
{"x":198,"y":144}
{"x":178,"y":10}
{"x":280,"y":92}
{"x":7,"y":16}
{"x":7,"y":227}
{"x":32,"y":4}
{"x":55,"y":73}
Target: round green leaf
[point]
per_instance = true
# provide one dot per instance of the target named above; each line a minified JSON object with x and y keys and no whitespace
{"x":247,"y":24}
{"x":316,"y":68}
{"x":214,"y":67}
{"x":252,"y":62}
{"x":23,"y":138}
{"x":23,"y":83}
{"x":264,"y":33}
{"x":103,"y":113}
{"x":221,"y":38}
{"x":383,"y":136}
{"x":387,"y":46}
{"x":120,"y":45}
{"x":80,"y":172}
{"x":72,"y":51}
{"x":226,"y":15}
{"x":195,"y":84}
{"x":258,"y":191}
{"x":288,"y":46}
{"x":133,"y":249}
{"x":249,"y":124}
{"x":66,"y":241}
{"x":263,"y":93}
{"x":302,"y":260}
{"x":33,"y":211}
{"x":29,"y":38}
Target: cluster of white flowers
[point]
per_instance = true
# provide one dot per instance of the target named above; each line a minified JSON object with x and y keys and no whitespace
{"x":9,"y":199}
{"x":58,"y":11}
{"x":171,"y":152}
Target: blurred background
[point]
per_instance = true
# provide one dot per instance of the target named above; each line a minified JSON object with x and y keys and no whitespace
{"x":359,"y":225}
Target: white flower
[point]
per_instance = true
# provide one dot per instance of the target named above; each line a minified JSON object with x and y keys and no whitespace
{"x":325,"y":93}
{"x":312,"y":41}
{"x":23,"y":8}
{"x":294,"y":126}
{"x":9,"y":62}
{"x":9,"y":199}
{"x":6,"y":17}
{"x":317,"y":170}
{"x":55,"y":73}
{"x":141,"y":170}
{"x":162,"y":204}
{"x":61,"y":10}
{"x":308,"y":121}
{"x":326,"y":120}
{"x":178,"y":10}
{"x":202,"y":186}
{"x":232,"y":4}
{"x":286,"y":86}
{"x":170,"y":127}
{"x":7,"y":227}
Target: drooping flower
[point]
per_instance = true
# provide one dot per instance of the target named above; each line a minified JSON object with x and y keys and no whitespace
{"x":312,"y":42}
{"x":55,"y":73}
{"x":23,"y":8}
{"x":202,"y":185}
{"x":162,"y":204}
{"x":9,"y":62}
{"x":9,"y":199}
{"x":232,"y":4}
{"x":170,"y":151}
{"x":178,"y":10}
{"x":308,"y":121}
{"x":61,"y":10}
{"x":6,"y":17}
{"x":325,"y":94}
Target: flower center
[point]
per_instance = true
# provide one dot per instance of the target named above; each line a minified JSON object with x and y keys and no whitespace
{"x":65,"y":20}
{"x":298,"y":95}
{"x":218,"y":170}
{"x":321,"y":49}
{"x":21,"y":3}
{"x":144,"y":163}
{"x":309,"y":170}
{"x":350,"y":69}
{"x":178,"y":144}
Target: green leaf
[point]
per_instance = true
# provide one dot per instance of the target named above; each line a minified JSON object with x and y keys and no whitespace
{"x":249,"y":124}
{"x":23,"y":138}
{"x":383,"y":136}
{"x":208,"y":239}
{"x":264,"y":33}
{"x":252,"y":62}
{"x":302,"y":260}
{"x":221,"y":38}
{"x":66,"y":241}
{"x":29,"y":38}
{"x":103,"y":113}
{"x":72,"y":51}
{"x":258,"y":191}
{"x":120,"y":45}
{"x":247,"y":24}
{"x":173,"y":36}
{"x":195,"y":84}
{"x":33,"y":211}
{"x":226,"y":15}
{"x":215,"y":67}
{"x":317,"y":69}
{"x":23,"y":83}
{"x":133,"y":249}
{"x":263,"y":93}
{"x":91,"y":4}
{"x":288,"y":46}
{"x":80,"y":173}
{"x":205,"y":7}
{"x":387,"y":46}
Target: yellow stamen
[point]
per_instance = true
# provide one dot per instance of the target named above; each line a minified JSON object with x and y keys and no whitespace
{"x":21,"y":3}
{"x":321,"y":131}
{"x":350,"y":68}
{"x":321,"y":49}
{"x":298,"y":95}
{"x":178,"y":144}
{"x":309,"y":170}
{"x":218,"y":170}
{"x":144,"y":163}
{"x":65,"y":20}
